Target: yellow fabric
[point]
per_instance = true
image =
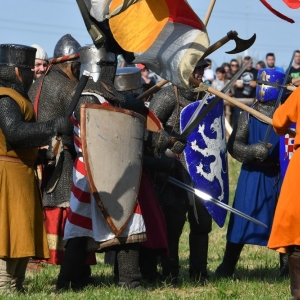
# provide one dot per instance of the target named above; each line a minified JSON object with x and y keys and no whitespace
{"x":148,"y":17}
{"x":285,"y":229}
{"x":22,"y":232}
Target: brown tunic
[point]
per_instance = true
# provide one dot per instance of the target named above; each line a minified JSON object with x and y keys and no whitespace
{"x":22,"y":232}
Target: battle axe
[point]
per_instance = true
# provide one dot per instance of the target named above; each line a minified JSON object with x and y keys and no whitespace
{"x":241,"y":45}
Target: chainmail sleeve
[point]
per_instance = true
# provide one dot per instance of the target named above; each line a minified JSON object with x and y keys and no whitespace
{"x":238,"y":145}
{"x":163,"y":104}
{"x":20,"y":134}
{"x":82,"y":100}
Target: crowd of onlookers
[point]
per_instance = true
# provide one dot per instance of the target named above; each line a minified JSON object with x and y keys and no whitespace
{"x":243,"y":88}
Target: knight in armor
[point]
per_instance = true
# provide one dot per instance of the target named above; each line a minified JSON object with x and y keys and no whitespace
{"x":51,"y":95}
{"x":259,"y":181}
{"x":21,"y":218}
{"x":284,"y":236}
{"x":98,"y":90}
{"x":167,"y":105}
{"x":128,"y":81}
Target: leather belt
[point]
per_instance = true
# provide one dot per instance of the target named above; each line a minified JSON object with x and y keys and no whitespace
{"x":17,"y":160}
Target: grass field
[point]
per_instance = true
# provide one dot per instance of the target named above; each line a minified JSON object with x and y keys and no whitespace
{"x":256,"y":276}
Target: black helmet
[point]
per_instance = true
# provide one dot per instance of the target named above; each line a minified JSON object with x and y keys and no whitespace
{"x":15,"y":55}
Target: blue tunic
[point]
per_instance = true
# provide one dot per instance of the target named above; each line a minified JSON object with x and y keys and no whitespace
{"x":257,"y":191}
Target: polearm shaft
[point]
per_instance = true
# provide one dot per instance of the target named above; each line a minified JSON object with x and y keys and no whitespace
{"x":153,"y":89}
{"x":233,"y":101}
{"x":209,"y":10}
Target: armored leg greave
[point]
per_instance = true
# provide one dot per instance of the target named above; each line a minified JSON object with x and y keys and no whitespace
{"x":128,"y":266}
{"x":231,"y":257}
{"x":73,"y":269}
{"x":294,"y":268}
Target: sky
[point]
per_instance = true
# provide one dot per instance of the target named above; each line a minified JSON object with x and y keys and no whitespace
{"x":44,"y":22}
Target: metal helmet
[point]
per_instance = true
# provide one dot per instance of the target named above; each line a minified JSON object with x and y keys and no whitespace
{"x":265,"y":92}
{"x":128,"y":79}
{"x":66,"y":45}
{"x":92,"y":59}
{"x":14,"y":55}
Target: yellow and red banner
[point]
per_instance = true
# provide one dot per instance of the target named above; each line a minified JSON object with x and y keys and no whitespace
{"x":165,"y":35}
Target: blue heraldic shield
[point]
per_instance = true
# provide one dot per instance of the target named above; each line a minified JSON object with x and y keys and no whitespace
{"x":206,"y":158}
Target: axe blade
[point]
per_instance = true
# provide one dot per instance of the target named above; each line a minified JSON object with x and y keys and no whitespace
{"x":241,"y":45}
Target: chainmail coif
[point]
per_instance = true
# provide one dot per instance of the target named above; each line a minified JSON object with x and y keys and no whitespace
{"x":238,"y":145}
{"x":8,"y":78}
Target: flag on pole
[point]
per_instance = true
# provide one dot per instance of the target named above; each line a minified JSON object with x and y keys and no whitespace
{"x":165,"y":35}
{"x":294,"y":4}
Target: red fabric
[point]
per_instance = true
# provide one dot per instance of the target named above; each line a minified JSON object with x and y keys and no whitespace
{"x":81,"y":195}
{"x":181,"y":12}
{"x":79,"y":220}
{"x":55,"y":220}
{"x":294,"y":4}
{"x":275,"y":12}
{"x":74,"y":121}
{"x":79,"y":166}
{"x":156,"y":229}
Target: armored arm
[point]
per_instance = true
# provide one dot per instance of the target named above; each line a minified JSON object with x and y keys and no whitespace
{"x":82,"y":100}
{"x":163,"y":105}
{"x":238,"y":145}
{"x":27,"y":134}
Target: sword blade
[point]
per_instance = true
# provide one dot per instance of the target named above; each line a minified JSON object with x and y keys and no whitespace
{"x":205,"y":197}
{"x":196,"y":117}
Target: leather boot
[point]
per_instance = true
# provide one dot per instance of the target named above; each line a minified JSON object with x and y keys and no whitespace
{"x":283,"y":265}
{"x":19,"y":276}
{"x":231,"y":257}
{"x":294,"y":268}
{"x":71,"y":270}
{"x":198,"y":256}
{"x":170,"y":264}
{"x":128,"y":265}
{"x":148,"y":264}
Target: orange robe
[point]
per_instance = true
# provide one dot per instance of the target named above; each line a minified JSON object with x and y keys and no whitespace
{"x":286,"y":225}
{"x":22,"y":232}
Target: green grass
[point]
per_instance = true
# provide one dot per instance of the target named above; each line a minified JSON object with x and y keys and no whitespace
{"x":256,"y":276}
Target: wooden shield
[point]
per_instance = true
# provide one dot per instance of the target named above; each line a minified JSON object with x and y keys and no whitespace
{"x":112,"y":146}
